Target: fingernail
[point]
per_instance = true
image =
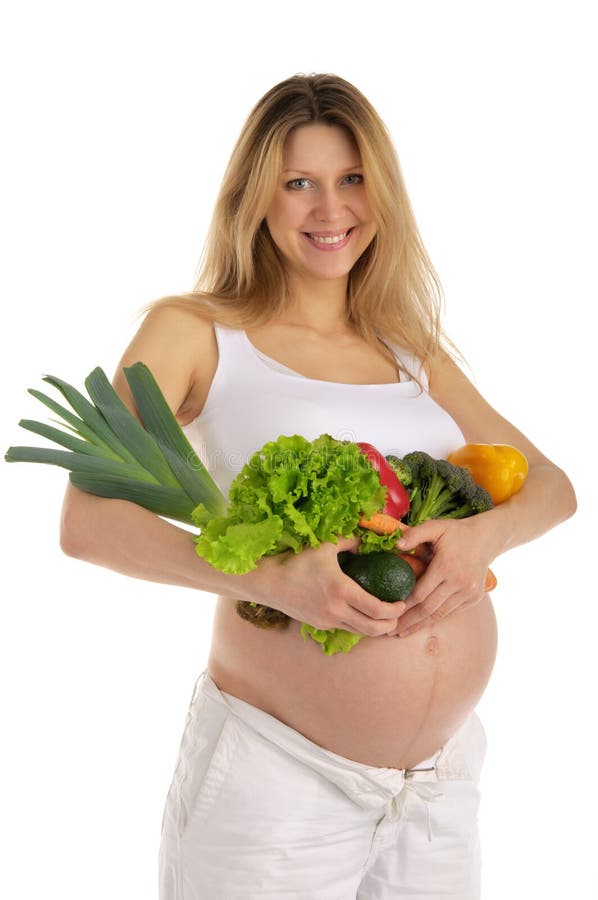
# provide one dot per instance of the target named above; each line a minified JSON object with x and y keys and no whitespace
{"x":402,"y":542}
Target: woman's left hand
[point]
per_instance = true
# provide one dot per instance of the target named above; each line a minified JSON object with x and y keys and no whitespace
{"x":456,"y":573}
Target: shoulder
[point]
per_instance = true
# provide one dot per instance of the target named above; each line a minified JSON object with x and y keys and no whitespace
{"x":450,"y":387}
{"x":179,"y":346}
{"x":444,"y":376}
{"x":477,"y":419}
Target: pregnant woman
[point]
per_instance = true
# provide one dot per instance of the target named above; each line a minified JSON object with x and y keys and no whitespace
{"x":302,"y":775}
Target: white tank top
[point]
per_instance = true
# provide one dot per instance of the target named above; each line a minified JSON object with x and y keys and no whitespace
{"x":253,"y":399}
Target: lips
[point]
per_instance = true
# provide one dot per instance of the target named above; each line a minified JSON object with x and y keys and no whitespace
{"x":330,"y":240}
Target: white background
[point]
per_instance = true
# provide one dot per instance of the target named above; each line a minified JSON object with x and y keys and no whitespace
{"x":118,"y":121}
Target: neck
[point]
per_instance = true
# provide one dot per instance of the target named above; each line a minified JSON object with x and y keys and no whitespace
{"x":319,"y":305}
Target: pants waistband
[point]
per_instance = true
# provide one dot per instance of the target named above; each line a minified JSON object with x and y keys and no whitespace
{"x":371,"y":787}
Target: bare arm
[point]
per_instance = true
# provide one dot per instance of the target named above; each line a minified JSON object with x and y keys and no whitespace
{"x":548,"y":497}
{"x":310,"y":587}
{"x":464,"y":549}
{"x":180,"y":350}
{"x":129,"y":539}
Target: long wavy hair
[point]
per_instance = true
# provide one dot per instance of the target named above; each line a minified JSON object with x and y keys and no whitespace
{"x":393,"y":291}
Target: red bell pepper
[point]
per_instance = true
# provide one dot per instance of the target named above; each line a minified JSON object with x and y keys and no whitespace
{"x":397,"y":498}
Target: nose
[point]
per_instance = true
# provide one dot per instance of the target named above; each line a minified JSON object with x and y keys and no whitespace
{"x":330,"y":205}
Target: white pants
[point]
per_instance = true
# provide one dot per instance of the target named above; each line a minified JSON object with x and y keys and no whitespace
{"x":256,"y":810}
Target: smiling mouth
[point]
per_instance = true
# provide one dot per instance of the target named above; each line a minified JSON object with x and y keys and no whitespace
{"x":329,"y":239}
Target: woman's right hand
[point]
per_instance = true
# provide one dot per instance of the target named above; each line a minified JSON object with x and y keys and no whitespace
{"x":311,"y":587}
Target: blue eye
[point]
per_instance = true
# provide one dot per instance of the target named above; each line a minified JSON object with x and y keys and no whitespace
{"x":296,"y":183}
{"x":300,"y":184}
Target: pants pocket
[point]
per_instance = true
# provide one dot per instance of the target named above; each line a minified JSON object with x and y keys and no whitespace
{"x":205,"y":757}
{"x":462,"y":757}
{"x":207,"y":769}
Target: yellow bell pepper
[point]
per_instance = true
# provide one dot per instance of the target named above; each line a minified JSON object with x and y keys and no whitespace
{"x":499,"y":468}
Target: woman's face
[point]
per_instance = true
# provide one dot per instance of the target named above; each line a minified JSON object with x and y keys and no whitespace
{"x":320,"y":218}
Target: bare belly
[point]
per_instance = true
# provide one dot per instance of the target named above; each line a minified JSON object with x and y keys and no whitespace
{"x":389,"y":702}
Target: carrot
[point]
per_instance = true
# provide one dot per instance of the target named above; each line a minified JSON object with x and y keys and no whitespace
{"x":381,"y":523}
{"x":491,"y":581}
{"x":417,"y":564}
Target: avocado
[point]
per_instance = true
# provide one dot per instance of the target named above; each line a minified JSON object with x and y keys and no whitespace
{"x":382,"y":573}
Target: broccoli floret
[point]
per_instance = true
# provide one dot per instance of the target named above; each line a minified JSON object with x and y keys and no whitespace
{"x":440,"y":490}
{"x":476,"y":500}
{"x":481,"y":500}
{"x":415,"y":460}
{"x":434,"y":496}
{"x":401,"y":469}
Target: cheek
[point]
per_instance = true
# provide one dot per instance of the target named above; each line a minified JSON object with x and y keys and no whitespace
{"x":366,"y":212}
{"x":282,"y":215}
{"x":367,"y":219}
{"x":272,"y":217}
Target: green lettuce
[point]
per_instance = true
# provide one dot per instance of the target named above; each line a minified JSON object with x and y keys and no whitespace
{"x":332,"y":640}
{"x":292,"y":494}
{"x":373,"y":543}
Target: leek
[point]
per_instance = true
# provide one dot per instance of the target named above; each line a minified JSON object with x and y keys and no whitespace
{"x":110,"y":454}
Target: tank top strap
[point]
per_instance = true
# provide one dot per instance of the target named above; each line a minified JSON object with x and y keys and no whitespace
{"x":410,"y":365}
{"x":231,"y":343}
{"x":235,"y":356}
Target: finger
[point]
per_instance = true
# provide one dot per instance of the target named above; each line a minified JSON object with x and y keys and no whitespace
{"x":370,"y":606}
{"x":369,"y":615}
{"x":425,"y":585}
{"x":431,"y":609}
{"x":453,"y":603}
{"x":362,"y":624}
{"x":350,"y":543}
{"x":452,"y":606}
{"x":363,"y":628}
{"x":420,"y":534}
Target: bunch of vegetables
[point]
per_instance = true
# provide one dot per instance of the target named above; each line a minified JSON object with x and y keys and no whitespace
{"x":292,"y":493}
{"x":435,"y":489}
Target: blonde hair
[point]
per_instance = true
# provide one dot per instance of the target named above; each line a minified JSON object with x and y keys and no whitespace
{"x":393,"y":292}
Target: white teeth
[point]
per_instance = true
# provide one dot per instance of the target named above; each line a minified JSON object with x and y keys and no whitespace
{"x":329,"y":240}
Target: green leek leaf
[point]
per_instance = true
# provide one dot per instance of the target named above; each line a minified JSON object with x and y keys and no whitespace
{"x":67,"y":440}
{"x":75,"y":422}
{"x":173,"y":503}
{"x":91,"y":416}
{"x":112,"y":455}
{"x":126,"y":427}
{"x":79,"y":462}
{"x":159,"y":420}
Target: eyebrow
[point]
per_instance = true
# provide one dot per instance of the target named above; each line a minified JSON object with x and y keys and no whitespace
{"x":305,"y":172}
